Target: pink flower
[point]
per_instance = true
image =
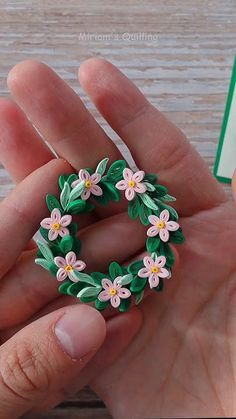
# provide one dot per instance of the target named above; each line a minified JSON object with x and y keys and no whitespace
{"x":132,"y":183}
{"x":56,"y":224}
{"x":68,"y":266}
{"x":162,"y":226}
{"x":91,"y":182}
{"x":113,"y":291}
{"x":154,"y":270}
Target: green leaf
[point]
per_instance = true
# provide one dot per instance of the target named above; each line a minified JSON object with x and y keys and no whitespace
{"x":98,"y":276}
{"x":144,"y":213}
{"x":134,"y":208}
{"x":115,"y":171}
{"x":139,"y":297}
{"x":66,"y":244}
{"x":161,"y":190}
{"x":82,"y":277}
{"x":151,"y":178}
{"x":101,"y":305}
{"x":89,"y":292}
{"x":126,"y":279}
{"x":72,"y":178}
{"x":62,"y":180}
{"x":45,"y":250}
{"x":76,"y":245}
{"x":101,"y":167}
{"x":138,"y":284}
{"x":76,"y":207}
{"x":134,"y":267}
{"x":64,"y":196}
{"x":104,"y":198}
{"x":73,"y":228}
{"x":44,"y":233}
{"x":77,"y":191}
{"x":52,"y":202}
{"x":173,"y":213}
{"x":113,"y":193}
{"x":148,"y":201}
{"x":124,"y":305}
{"x":177,"y":237}
{"x":160,"y":286}
{"x":88,"y":206}
{"x":46,"y":264}
{"x":53,"y":269}
{"x":149,"y":186}
{"x":166,"y":250}
{"x":168,"y":198}
{"x":115,"y":270}
{"x":64,"y":286}
{"x":75,"y":288}
{"x":152,"y":244}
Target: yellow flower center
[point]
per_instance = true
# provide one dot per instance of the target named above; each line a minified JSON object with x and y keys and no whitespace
{"x":132,"y":183}
{"x":88,"y":184}
{"x":155,"y":269}
{"x":56,"y":226}
{"x":161,"y":224}
{"x":112,"y":291}
{"x":68,"y":268}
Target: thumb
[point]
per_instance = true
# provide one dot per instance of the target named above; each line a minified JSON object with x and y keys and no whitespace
{"x":40,"y":362}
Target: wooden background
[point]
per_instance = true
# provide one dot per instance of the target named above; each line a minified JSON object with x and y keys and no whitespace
{"x":179,"y":52}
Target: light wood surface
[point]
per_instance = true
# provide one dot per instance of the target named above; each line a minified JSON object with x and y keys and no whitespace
{"x":179,"y":53}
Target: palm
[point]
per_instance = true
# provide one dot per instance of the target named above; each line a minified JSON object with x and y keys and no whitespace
{"x":181,"y":361}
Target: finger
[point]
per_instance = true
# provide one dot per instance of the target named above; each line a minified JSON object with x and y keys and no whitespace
{"x":62,"y":119}
{"x":21,"y":149}
{"x":121,"y":332}
{"x":27,"y":287}
{"x":39,"y":363}
{"x":59,"y":114}
{"x":155,"y":143}
{"x":23,"y":209}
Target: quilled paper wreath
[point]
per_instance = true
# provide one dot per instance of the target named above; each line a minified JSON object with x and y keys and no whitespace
{"x":147,"y":200}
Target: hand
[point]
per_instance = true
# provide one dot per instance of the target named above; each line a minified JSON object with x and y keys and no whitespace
{"x":44,"y":347}
{"x":169,"y":322}
{"x":183,"y":363}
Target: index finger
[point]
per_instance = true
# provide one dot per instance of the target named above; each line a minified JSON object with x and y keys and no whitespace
{"x":155,"y":143}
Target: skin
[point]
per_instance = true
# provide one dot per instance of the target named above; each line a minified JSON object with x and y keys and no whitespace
{"x":182,"y":360}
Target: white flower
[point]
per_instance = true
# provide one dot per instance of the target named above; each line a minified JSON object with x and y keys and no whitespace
{"x":91,"y":184}
{"x":132,"y":183}
{"x":113,"y":291}
{"x":154,"y":269}
{"x":56,"y":224}
{"x":68,"y":266}
{"x":161,"y":225}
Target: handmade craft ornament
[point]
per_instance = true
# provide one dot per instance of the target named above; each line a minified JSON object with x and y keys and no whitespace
{"x":60,"y":245}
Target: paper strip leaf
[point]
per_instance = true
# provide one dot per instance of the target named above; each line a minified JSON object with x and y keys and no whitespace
{"x":148,"y":201}
{"x":89,"y":292}
{"x":45,"y":250}
{"x":64,"y":196}
{"x":101,"y":167}
{"x":126,"y":279}
{"x":77,"y":191}
{"x":84,"y":278}
{"x":139,"y":297}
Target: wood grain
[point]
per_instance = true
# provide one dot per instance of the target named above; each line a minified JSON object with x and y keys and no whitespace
{"x":179,"y":53}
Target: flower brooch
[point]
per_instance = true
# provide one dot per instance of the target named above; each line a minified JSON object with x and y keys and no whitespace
{"x":60,"y":245}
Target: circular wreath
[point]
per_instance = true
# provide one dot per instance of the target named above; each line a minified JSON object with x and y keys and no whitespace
{"x":147,"y":200}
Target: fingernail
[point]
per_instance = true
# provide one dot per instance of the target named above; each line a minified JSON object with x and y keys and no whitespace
{"x":80,"y":331}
